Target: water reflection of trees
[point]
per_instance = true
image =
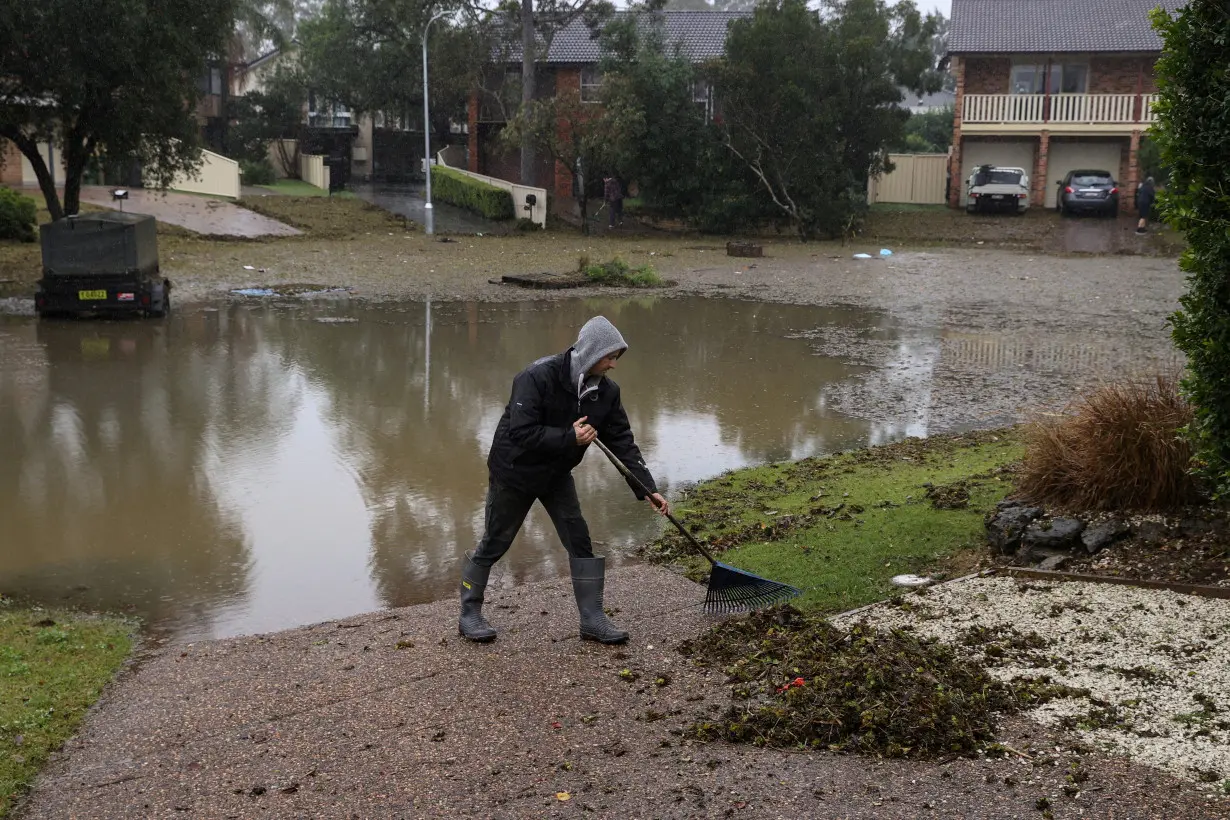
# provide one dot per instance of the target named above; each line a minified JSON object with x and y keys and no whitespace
{"x":127,"y":439}
{"x":417,"y":432}
{"x":101,"y":488}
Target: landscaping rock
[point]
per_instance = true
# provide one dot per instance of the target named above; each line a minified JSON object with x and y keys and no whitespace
{"x":1152,"y":532}
{"x":1054,"y":561}
{"x":1195,"y":526}
{"x":1005,"y":528}
{"x":1059,"y":533}
{"x":1101,"y":536}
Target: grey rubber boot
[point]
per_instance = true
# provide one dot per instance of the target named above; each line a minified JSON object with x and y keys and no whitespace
{"x":588,"y":579}
{"x":472,"y":625}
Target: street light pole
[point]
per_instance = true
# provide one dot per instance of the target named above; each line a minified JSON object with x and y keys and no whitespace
{"x":431,"y":226}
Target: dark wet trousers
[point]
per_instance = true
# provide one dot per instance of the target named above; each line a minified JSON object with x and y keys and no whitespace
{"x":616,"y":215}
{"x":507,"y":508}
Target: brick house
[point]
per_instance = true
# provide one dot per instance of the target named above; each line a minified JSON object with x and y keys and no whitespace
{"x":571,"y":63}
{"x":1052,"y":86}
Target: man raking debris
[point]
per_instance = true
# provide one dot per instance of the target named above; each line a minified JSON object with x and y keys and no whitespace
{"x":559,"y":405}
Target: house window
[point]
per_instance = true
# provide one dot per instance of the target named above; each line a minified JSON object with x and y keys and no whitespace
{"x":702,"y":95}
{"x":328,"y":115}
{"x":211,"y":81}
{"x":591,"y":85}
{"x":1074,"y":79}
{"x":1065,"y":78}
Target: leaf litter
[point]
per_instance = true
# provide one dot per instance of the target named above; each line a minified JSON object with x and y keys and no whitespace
{"x":798,"y":681}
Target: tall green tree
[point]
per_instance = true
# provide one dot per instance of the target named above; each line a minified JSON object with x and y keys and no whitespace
{"x":367,"y":55}
{"x":927,"y":133}
{"x":575,"y":134}
{"x":274,"y":116}
{"x":809,"y":101}
{"x":527,"y":28}
{"x":119,"y":76}
{"x":661,"y":135}
{"x":1193,"y":133}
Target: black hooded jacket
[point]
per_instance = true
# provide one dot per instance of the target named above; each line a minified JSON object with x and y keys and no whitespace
{"x":534,"y":444}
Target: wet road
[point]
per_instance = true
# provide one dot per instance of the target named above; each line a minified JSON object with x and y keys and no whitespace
{"x":409,"y":201}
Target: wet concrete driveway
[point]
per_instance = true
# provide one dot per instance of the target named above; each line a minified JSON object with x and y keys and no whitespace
{"x":202,"y":214}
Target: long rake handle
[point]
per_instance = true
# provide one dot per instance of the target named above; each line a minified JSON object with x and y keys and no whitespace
{"x":628,"y":474}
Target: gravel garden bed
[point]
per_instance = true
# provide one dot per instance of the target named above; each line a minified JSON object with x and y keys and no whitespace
{"x":1156,"y":664}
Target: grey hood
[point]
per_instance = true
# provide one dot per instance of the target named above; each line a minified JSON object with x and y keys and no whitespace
{"x":597,"y":340}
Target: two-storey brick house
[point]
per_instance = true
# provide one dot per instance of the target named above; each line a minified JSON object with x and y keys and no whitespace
{"x":571,"y":64}
{"x":1052,"y":86}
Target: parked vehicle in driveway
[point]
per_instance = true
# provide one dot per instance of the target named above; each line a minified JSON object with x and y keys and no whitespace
{"x":996,"y":188}
{"x":1088,"y":192}
{"x":103,"y":263}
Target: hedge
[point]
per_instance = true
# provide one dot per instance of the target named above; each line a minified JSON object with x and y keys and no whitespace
{"x":452,"y":186}
{"x":1193,"y":132}
{"x":17,"y":216}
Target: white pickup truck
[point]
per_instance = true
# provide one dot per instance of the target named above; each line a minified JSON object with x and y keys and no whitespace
{"x":996,"y":188}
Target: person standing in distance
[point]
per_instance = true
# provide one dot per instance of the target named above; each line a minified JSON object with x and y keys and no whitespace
{"x":559,"y":405}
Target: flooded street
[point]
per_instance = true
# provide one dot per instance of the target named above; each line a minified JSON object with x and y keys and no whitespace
{"x":255,"y":464}
{"x":250,"y":467}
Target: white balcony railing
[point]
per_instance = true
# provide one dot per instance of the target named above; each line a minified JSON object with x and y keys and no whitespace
{"x":1058,"y":108}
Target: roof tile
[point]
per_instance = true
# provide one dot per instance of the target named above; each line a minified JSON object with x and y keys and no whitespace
{"x":701,"y":35}
{"x":1031,"y":26}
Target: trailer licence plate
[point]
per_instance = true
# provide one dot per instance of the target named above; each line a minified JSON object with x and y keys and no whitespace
{"x":86,"y":295}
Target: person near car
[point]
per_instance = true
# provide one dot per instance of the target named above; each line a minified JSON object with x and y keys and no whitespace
{"x":559,"y":405}
{"x":1146,"y":195}
{"x":613,"y":193}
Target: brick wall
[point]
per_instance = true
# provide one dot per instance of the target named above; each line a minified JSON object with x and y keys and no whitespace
{"x":1107,"y":75}
{"x":987,"y":75}
{"x":10,"y":170}
{"x":472,"y":109}
{"x":1121,"y":75}
{"x":566,"y":80}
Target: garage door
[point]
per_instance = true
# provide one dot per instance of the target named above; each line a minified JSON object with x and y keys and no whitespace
{"x":1071,"y":156}
{"x":1016,"y":154}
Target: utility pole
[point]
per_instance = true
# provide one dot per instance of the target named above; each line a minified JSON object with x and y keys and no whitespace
{"x":431,"y":219}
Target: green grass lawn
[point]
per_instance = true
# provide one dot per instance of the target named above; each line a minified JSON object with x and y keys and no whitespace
{"x":53,"y":666}
{"x":841,"y":527}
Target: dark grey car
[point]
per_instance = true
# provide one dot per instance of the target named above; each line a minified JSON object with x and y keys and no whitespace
{"x":1088,"y":191}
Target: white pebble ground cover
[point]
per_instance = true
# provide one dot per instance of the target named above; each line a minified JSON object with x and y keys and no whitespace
{"x":1156,"y":663}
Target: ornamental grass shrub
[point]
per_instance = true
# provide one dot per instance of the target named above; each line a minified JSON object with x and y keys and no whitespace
{"x":1119,"y":446}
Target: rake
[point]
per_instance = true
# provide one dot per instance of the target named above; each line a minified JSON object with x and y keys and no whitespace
{"x":730,"y":588}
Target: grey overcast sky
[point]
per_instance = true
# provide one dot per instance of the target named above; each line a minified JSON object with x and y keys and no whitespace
{"x":942,"y":6}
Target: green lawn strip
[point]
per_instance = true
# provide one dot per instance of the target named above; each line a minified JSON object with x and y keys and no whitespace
{"x":840,"y":527}
{"x":294,"y":187}
{"x":53,"y":666}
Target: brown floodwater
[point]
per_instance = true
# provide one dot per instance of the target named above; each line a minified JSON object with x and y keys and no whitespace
{"x":264,"y":463}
